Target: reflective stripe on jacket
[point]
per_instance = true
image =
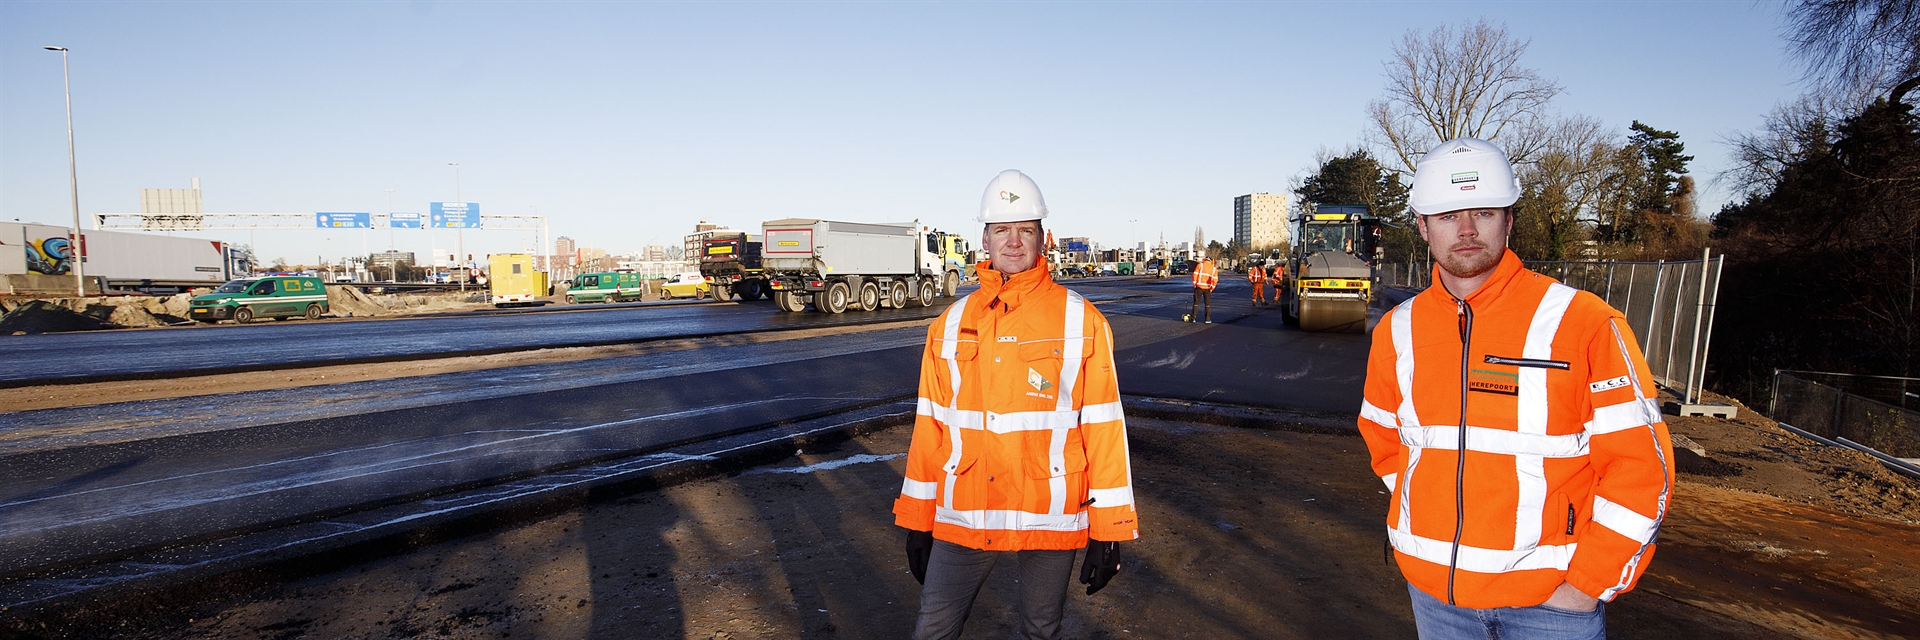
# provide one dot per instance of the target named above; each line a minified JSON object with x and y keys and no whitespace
{"x":1568,"y":470}
{"x":1020,"y":442}
{"x":1206,"y":275}
{"x":1256,"y":274}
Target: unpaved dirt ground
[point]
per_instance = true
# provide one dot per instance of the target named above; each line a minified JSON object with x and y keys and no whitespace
{"x":1246,"y":534}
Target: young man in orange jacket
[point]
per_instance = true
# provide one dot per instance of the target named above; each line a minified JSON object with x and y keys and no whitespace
{"x":1257,"y":276}
{"x":1020,"y":447}
{"x":1546,"y":505}
{"x":1206,"y":276}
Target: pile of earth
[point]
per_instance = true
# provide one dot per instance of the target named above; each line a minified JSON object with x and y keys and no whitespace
{"x":43,"y":316}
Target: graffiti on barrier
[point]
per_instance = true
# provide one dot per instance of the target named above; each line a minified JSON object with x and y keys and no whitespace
{"x":52,"y":256}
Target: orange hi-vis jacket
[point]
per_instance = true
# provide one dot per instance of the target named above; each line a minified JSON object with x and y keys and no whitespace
{"x":1020,"y":442}
{"x":1568,"y":467}
{"x":1256,"y":275}
{"x":1206,"y":275}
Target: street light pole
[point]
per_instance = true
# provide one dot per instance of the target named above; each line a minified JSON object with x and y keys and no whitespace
{"x":460,"y":233}
{"x":73,"y":180}
{"x":389,"y":219}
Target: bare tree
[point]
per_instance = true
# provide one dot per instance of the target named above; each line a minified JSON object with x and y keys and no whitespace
{"x":1461,"y":81}
{"x":1857,"y":44}
{"x":1199,"y":238}
{"x":1580,"y":162}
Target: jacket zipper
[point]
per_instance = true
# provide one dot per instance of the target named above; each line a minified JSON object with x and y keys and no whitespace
{"x":1465,"y":316}
{"x":1530,"y":362}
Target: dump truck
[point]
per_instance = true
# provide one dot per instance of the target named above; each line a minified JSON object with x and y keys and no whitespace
{"x":514,"y":282}
{"x":732,"y":265}
{"x":835,"y":266}
{"x":1329,"y":278}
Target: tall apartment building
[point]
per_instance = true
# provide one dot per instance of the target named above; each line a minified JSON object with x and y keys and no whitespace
{"x":1260,"y":220}
{"x":563,"y":250}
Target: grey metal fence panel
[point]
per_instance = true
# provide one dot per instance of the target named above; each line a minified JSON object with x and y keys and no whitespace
{"x":1831,"y":412}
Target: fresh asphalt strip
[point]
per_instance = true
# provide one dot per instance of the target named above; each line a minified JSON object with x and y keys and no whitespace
{"x":317,"y":546}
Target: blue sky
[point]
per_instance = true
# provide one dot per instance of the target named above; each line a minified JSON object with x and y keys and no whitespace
{"x":625,"y":122}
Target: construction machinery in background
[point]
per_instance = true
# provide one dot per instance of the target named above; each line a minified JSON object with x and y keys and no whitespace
{"x":1329,"y":277}
{"x":514,"y":282}
{"x":836,"y":266}
{"x":731,"y":263}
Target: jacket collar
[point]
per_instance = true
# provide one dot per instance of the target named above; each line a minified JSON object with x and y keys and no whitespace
{"x":1015,"y":289}
{"x":1504,"y":274}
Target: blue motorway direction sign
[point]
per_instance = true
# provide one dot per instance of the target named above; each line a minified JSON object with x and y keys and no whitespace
{"x":343,"y":220}
{"x":456,"y":215}
{"x":397,"y":220}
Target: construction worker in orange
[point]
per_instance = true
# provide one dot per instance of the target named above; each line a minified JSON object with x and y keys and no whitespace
{"x":1206,"y":276}
{"x":1257,"y":276}
{"x":1020,"y":447}
{"x":1514,"y":420}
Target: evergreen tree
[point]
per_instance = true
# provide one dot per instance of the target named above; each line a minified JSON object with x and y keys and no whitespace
{"x":1358,"y":178}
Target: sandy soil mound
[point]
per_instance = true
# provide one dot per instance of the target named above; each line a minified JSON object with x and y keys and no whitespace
{"x":350,"y":301}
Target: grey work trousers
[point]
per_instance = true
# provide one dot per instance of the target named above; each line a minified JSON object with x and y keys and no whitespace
{"x":954,"y":576}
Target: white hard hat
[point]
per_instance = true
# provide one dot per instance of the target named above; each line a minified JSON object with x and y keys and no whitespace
{"x":1012,"y":197}
{"x":1463,"y":173}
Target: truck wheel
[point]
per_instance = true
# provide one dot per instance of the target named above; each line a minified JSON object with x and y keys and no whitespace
{"x":242,"y":315}
{"x":869,"y":297}
{"x":313,"y":312}
{"x":950,"y":286}
{"x":897,"y":295}
{"x":722,"y":292}
{"x":749,"y":290}
{"x":834,"y":299}
{"x":926,"y":292}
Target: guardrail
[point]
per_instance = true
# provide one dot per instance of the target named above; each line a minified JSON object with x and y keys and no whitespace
{"x":1668,"y":304}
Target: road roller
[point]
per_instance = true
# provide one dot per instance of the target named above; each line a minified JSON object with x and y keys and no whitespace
{"x":1329,"y":278}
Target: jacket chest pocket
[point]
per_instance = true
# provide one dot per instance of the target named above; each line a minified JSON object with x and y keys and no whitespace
{"x":1047,"y":462}
{"x":1041,"y":368}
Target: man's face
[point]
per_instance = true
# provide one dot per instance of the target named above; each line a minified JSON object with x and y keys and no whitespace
{"x":1468,"y":242}
{"x":1013,"y":247}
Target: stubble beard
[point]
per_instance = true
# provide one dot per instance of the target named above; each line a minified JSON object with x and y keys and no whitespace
{"x":1465,"y":267}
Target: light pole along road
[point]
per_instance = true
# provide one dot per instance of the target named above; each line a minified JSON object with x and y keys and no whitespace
{"x":73,"y":178}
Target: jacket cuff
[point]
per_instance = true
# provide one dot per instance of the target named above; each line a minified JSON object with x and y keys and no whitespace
{"x":913,"y":513}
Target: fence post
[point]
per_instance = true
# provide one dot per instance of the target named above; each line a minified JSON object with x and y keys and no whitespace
{"x":1713,"y":304}
{"x":1673,"y":328}
{"x":1653,"y":311}
{"x":1773,"y":396}
{"x":1699,"y":307}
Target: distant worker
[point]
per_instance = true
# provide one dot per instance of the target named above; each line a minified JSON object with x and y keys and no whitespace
{"x":1554,"y":507}
{"x":1257,"y":276}
{"x":1020,"y":445}
{"x":1206,"y":276}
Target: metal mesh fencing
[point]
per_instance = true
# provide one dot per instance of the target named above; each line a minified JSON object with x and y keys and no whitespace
{"x":1668,"y":305}
{"x":1829,"y":411}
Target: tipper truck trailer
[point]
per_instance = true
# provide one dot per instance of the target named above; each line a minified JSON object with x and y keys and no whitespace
{"x":836,"y":266}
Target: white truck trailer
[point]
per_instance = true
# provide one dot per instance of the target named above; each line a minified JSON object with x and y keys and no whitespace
{"x":37,"y":258}
{"x":836,"y":266}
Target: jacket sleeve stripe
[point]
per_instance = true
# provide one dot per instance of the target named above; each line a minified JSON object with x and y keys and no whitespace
{"x":1500,"y":441}
{"x":1638,"y":412}
{"x":1115,"y":497}
{"x":1629,"y":571}
{"x":1103,"y":412}
{"x":1378,"y":415}
{"x":1624,"y":521}
{"x":920,"y":490}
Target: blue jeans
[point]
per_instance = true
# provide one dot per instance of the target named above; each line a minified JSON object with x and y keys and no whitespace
{"x":1441,"y":621}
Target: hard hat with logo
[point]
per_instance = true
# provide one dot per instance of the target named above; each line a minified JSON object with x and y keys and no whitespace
{"x":1012,"y":197}
{"x":1463,"y":173}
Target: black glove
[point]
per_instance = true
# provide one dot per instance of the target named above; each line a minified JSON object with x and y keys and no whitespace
{"x":1101,"y":564}
{"x":919,"y":548}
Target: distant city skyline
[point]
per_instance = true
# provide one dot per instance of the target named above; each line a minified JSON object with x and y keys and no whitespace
{"x":625,"y":123}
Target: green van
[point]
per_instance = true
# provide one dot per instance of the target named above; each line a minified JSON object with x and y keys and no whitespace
{"x":612,"y":286}
{"x":278,"y":297}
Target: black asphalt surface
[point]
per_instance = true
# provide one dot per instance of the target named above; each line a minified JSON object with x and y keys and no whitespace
{"x":90,"y":484}
{"x":160,"y":353}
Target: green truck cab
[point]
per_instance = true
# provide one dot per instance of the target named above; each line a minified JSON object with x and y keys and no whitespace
{"x":611,"y":286}
{"x":277,"y":297}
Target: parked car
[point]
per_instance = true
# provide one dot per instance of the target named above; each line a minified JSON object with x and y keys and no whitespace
{"x":1182,"y":268}
{"x":1109,"y":270}
{"x":685,"y":285}
{"x":278,"y":297}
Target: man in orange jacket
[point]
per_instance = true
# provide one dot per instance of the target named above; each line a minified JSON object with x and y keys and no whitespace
{"x":1257,"y":276}
{"x":1020,"y":446}
{"x":1546,"y":504}
{"x":1206,"y":276}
